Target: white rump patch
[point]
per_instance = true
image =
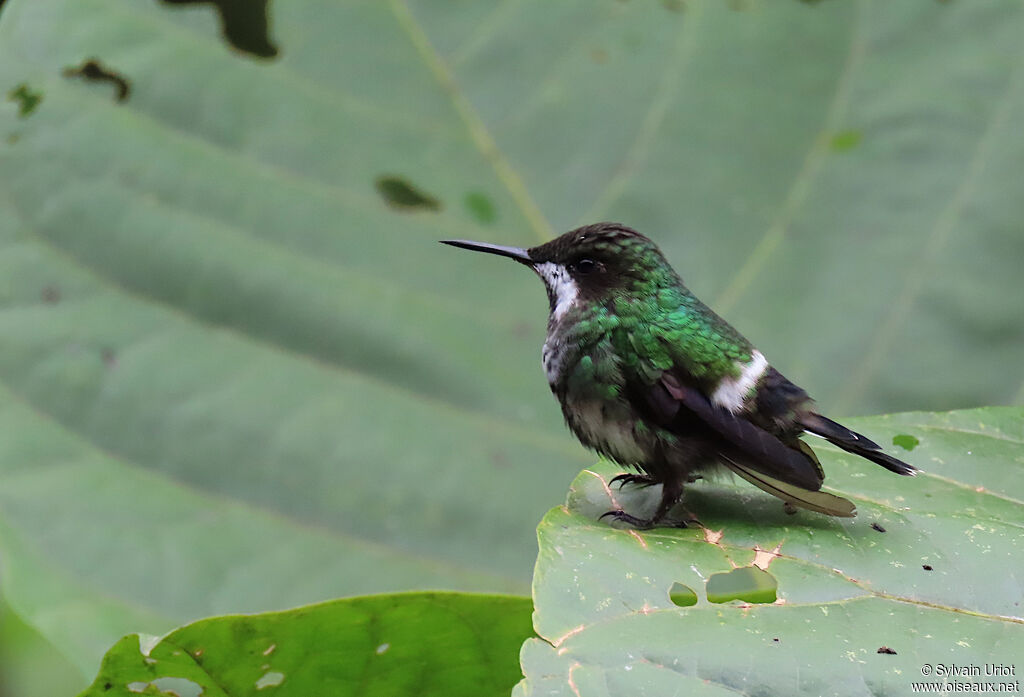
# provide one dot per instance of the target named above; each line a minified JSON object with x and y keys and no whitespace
{"x":732,"y":393}
{"x":561,"y":285}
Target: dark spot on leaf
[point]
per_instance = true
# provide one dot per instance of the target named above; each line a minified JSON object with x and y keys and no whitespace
{"x":599,"y":56}
{"x":401,"y":194}
{"x":674,"y":5}
{"x":846,"y":140}
{"x":108,"y":356}
{"x":93,"y":70}
{"x":13,"y":138}
{"x":926,"y":567}
{"x":26,"y":98}
{"x":243,"y":23}
{"x":886,"y":649}
{"x":906,"y":441}
{"x":876,"y":526}
{"x":107,"y":685}
{"x":747,"y":583}
{"x":481,"y":207}
{"x":50,"y":294}
{"x":682,"y":595}
{"x":775,"y":638}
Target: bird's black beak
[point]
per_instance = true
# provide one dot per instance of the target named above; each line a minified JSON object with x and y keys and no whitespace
{"x":517,"y":253}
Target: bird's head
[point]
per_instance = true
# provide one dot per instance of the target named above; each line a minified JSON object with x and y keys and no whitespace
{"x":589,"y":264}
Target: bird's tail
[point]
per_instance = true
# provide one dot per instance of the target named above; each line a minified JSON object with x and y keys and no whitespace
{"x":819,"y":501}
{"x":853,"y":442}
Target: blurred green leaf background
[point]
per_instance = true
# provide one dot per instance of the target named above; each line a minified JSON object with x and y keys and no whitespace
{"x":237,"y":373}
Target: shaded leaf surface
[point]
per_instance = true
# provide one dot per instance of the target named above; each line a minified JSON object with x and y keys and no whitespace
{"x":406,"y":644}
{"x":845,"y":590}
{"x":225,"y":356}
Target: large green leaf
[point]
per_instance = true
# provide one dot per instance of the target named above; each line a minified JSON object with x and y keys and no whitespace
{"x":443,"y":644}
{"x":233,"y":377}
{"x":929,"y":570}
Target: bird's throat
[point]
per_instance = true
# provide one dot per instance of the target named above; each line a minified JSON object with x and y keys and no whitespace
{"x":563,"y":293}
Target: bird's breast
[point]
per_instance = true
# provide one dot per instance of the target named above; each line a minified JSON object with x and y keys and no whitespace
{"x":607,"y":426}
{"x":553,"y":357}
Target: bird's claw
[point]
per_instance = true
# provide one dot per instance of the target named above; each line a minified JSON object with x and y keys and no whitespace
{"x":628,"y":478}
{"x":623,"y":517}
{"x":649,"y":523}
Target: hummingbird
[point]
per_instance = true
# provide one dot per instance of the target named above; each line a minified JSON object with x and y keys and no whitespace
{"x":651,"y":378}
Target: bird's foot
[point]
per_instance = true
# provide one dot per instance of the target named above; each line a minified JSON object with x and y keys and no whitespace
{"x":638,"y":479}
{"x":649,"y":523}
{"x":644,"y":480}
{"x":623,"y":517}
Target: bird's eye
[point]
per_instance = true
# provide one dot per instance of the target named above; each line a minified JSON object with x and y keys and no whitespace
{"x":586,"y":265}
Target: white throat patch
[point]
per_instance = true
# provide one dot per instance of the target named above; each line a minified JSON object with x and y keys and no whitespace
{"x":732,"y":393}
{"x":559,"y":284}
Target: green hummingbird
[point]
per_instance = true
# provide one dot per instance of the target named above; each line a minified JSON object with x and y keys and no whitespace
{"x":650,"y":377}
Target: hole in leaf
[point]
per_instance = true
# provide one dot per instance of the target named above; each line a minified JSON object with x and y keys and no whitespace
{"x":92,"y":70}
{"x":480,"y":207}
{"x":178,"y":686}
{"x":846,"y":140}
{"x":243,"y":23}
{"x":270,"y":679}
{"x":906,"y":441}
{"x":682,"y":595}
{"x":926,"y":567}
{"x":886,"y":649}
{"x":26,"y":98}
{"x":876,"y":526}
{"x":401,"y":194}
{"x":182,"y":687}
{"x":747,"y":583}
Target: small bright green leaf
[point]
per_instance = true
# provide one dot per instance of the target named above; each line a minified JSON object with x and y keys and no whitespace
{"x":26,"y":98}
{"x":481,"y":206}
{"x":846,"y":140}
{"x":939,"y":586}
{"x":905,"y":441}
{"x":406,"y":644}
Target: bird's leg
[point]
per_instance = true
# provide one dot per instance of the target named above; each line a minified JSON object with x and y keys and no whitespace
{"x":670,"y":493}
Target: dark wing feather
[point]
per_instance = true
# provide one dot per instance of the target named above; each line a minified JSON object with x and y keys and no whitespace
{"x":746,"y":443}
{"x":853,"y":442}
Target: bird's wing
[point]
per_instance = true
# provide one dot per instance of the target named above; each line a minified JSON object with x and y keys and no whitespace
{"x":789,"y":472}
{"x":748,"y":444}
